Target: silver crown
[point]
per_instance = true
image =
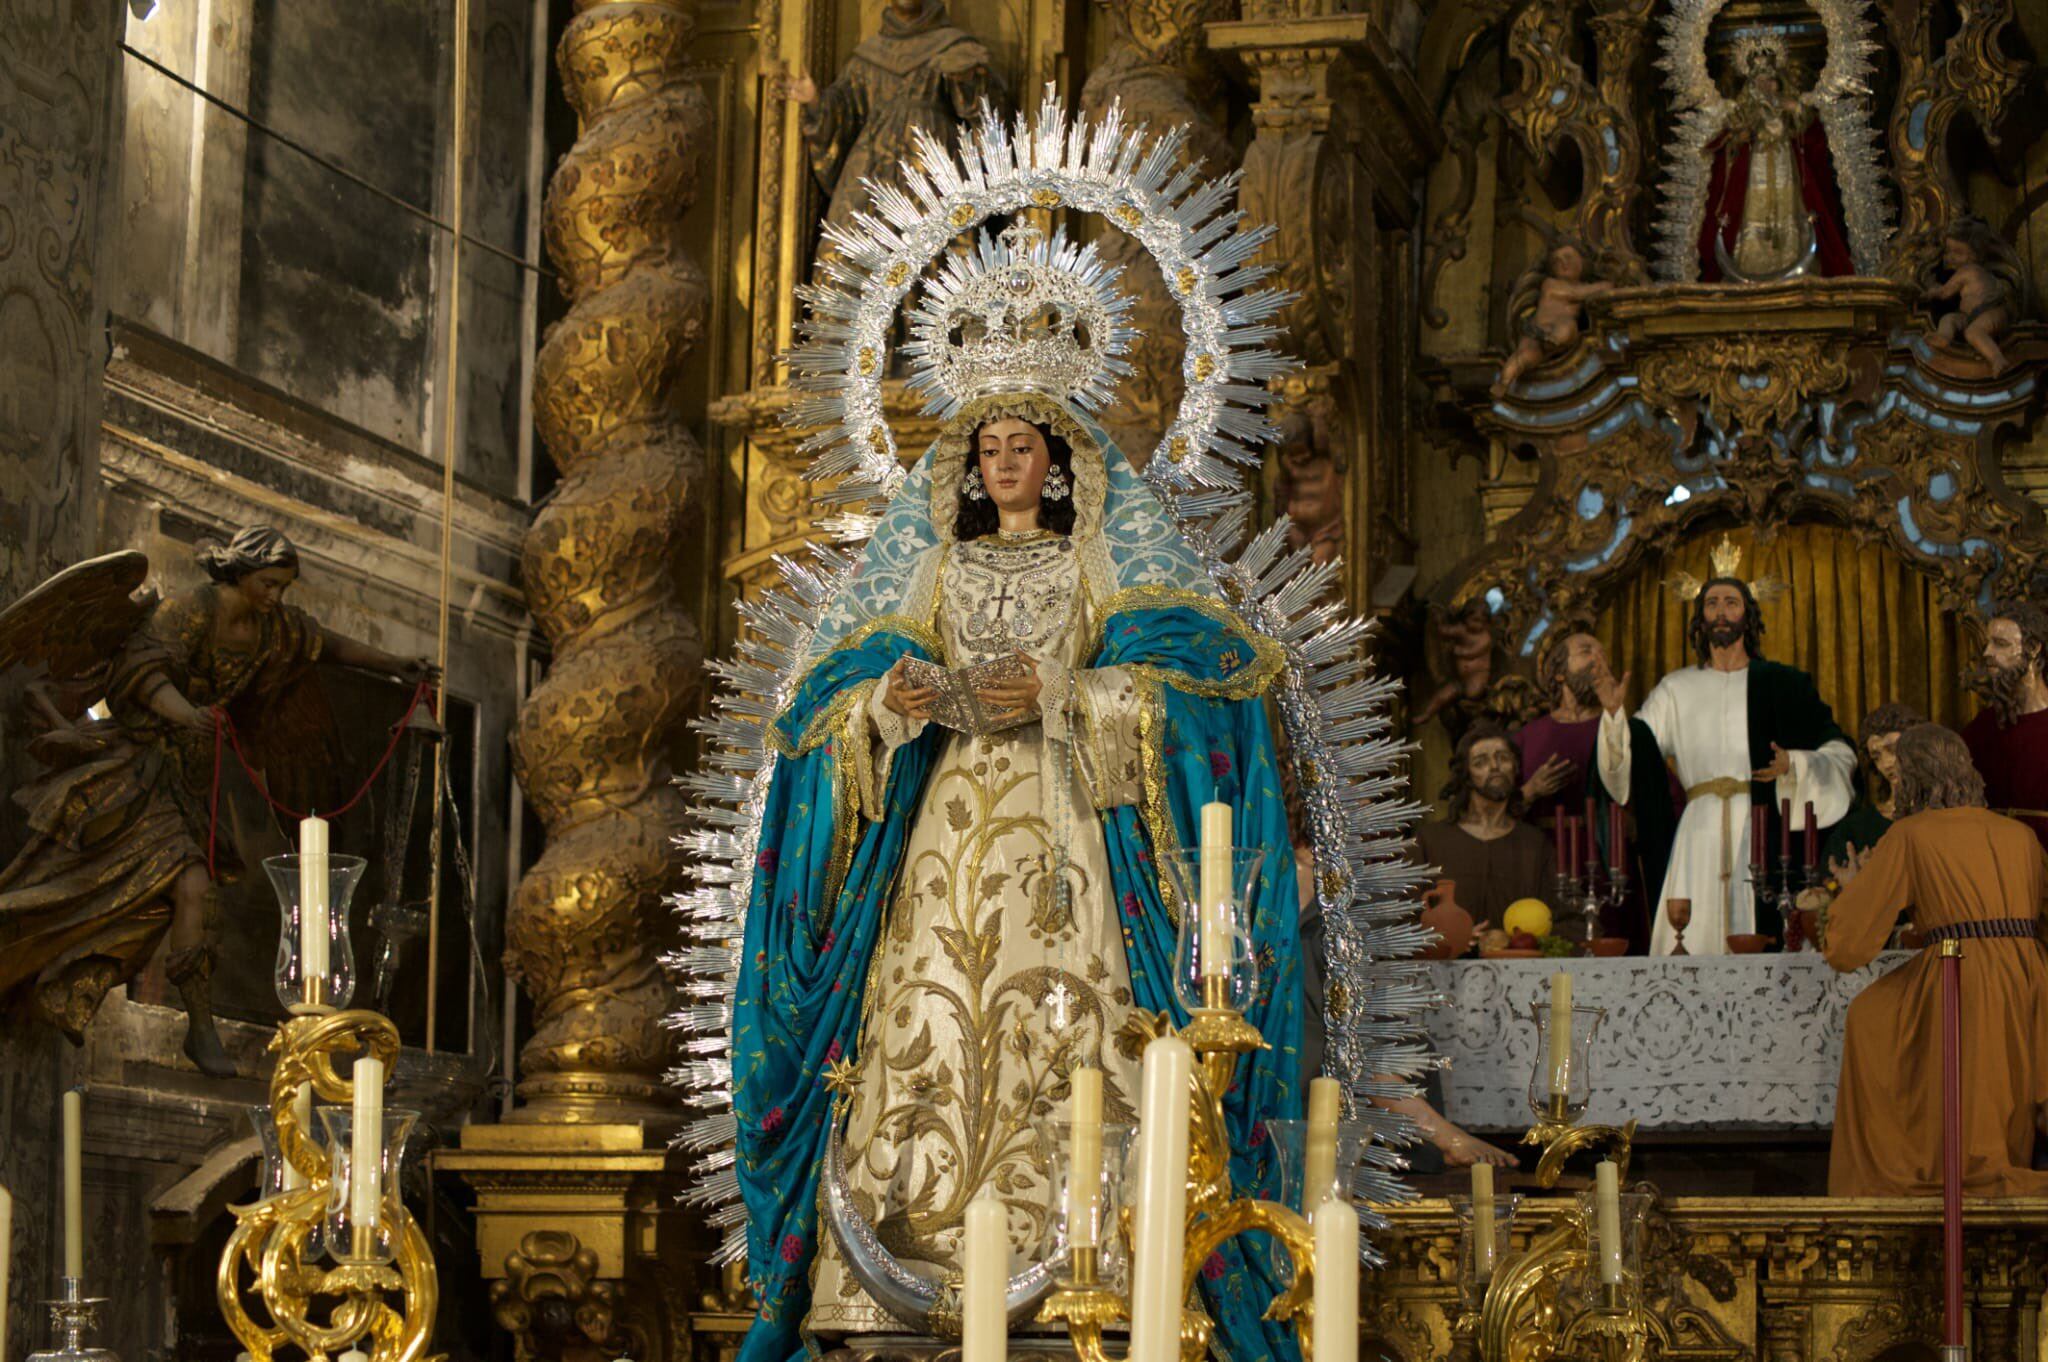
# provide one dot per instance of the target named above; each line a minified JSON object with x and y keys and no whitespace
{"x":1754,"y":53}
{"x":1020,"y":313}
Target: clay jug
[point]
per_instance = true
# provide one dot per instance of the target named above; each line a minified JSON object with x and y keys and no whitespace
{"x":1451,"y":922}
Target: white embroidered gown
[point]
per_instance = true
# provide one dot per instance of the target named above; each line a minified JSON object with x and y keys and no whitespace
{"x":987,"y":989}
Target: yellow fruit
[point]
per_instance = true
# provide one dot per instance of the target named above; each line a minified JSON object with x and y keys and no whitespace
{"x":1527,"y":915}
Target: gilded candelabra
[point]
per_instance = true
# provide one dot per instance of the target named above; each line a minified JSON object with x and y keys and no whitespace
{"x":1528,"y":1310}
{"x":1218,"y":1033}
{"x":280,"y":1238}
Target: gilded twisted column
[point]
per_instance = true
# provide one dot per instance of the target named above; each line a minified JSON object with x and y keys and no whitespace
{"x":593,"y":744}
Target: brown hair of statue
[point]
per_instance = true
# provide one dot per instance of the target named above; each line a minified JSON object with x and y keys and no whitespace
{"x":1935,"y":772}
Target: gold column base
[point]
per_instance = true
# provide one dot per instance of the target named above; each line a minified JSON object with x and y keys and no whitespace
{"x":583,"y":1220}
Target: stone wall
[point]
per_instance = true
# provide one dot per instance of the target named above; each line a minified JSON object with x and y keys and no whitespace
{"x":57,"y":68}
{"x":245,"y":335}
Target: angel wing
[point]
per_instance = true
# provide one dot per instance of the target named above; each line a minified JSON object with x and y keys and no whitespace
{"x":79,"y":618}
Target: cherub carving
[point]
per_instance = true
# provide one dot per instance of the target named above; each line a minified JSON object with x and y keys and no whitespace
{"x":1983,"y":281}
{"x":1546,"y":307}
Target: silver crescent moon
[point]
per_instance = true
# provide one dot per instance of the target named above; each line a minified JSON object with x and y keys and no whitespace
{"x":921,"y":1304}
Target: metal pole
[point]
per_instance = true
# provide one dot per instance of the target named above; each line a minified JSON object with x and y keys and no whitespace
{"x":1952,"y":1349}
{"x":450,"y":431}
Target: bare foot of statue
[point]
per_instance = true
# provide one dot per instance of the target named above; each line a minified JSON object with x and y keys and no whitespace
{"x":1462,"y":1149}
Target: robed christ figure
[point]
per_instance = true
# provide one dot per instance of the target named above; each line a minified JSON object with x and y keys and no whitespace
{"x":1739,"y":731}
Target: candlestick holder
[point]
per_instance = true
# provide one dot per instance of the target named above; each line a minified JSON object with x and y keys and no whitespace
{"x":1067,"y":1236}
{"x":73,"y":1316}
{"x":1484,"y":1249}
{"x":1557,"y":1131}
{"x":1614,"y":899}
{"x":1088,"y":1307}
{"x":331,"y":982}
{"x":278,"y":1242}
{"x":1215,"y":968}
{"x":1550,"y":1301}
{"x":1290,"y":1144}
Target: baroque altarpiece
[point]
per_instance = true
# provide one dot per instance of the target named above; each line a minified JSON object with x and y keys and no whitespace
{"x":1753,"y":200}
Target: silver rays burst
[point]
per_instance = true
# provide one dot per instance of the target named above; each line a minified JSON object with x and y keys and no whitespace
{"x":1346,"y":751}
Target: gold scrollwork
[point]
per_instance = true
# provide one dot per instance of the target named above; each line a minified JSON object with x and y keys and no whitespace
{"x":1757,"y":382}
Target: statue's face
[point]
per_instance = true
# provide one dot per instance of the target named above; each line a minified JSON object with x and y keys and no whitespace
{"x":265,"y":588}
{"x":2005,"y":647}
{"x":1491,"y":767}
{"x":1884,"y":755}
{"x":1014,"y":462}
{"x":1956,"y":253}
{"x":1722,"y":608}
{"x":1566,"y":263}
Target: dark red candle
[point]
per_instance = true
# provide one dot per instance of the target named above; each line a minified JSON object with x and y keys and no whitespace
{"x":1756,"y":835}
{"x":1592,"y":842}
{"x":1812,"y":837}
{"x":1784,"y":829}
{"x":1616,"y":835}
{"x":1563,"y":828}
{"x":1571,"y":843}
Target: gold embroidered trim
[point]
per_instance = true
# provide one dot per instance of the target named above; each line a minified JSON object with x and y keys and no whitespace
{"x":1156,"y":811}
{"x":1269,"y":659}
{"x":849,"y":723}
{"x":821,"y":723}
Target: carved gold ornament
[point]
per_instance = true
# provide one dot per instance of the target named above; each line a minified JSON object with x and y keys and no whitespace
{"x":1757,"y":383}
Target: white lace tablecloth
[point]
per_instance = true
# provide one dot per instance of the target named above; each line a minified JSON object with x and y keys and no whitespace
{"x":1709,"y":1042}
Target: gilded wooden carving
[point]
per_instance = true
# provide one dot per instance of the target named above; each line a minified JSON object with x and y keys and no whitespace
{"x":592,"y":745}
{"x":1554,"y":101}
{"x":1971,"y":75}
{"x":1755,"y":383}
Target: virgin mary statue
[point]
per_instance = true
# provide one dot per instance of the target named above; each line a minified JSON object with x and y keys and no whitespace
{"x":944,"y":924}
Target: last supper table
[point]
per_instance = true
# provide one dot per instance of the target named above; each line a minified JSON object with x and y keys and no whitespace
{"x":1689,"y":1043}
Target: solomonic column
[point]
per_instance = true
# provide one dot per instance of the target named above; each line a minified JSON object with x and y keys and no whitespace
{"x":593,"y":744}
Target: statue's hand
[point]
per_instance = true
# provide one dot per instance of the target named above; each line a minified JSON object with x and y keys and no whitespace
{"x":911,"y":702}
{"x":1613,"y":693}
{"x":1550,"y":777}
{"x":798,"y":87}
{"x":1781,"y":764}
{"x":1014,"y":697}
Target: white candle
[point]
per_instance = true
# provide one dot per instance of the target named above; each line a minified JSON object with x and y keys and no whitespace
{"x":1335,"y":1336}
{"x":1215,"y":889}
{"x":313,"y":927}
{"x":1607,"y":1201}
{"x":366,"y":1146}
{"x":74,"y":1184}
{"x":1560,"y":1034}
{"x":302,"y":1115}
{"x":1156,"y":1286}
{"x":1319,"y":1167}
{"x":1084,"y":1159}
{"x":985,"y":1271}
{"x":1483,"y":1250}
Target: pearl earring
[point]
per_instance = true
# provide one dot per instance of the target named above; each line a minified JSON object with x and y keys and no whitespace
{"x":1056,"y":485}
{"x":971,"y":486}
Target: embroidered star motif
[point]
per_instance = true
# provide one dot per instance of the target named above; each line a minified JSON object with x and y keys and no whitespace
{"x":841,"y":1078}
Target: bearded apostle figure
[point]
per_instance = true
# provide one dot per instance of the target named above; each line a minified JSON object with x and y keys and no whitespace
{"x":2009,"y":737}
{"x":1740,"y":731}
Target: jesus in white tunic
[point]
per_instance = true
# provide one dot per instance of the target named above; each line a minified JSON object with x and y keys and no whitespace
{"x":1738,"y":730}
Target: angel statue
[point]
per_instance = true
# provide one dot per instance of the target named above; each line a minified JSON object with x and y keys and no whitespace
{"x":122,"y":824}
{"x":979,"y":739}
